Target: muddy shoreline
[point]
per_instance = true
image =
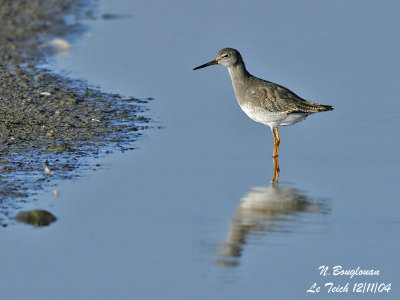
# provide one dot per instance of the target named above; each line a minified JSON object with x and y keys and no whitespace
{"x":47,"y":120}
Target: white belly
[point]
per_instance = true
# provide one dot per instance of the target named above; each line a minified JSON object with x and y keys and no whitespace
{"x":273,"y":119}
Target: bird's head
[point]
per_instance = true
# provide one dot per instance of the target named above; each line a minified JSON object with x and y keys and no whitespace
{"x":227,"y":57}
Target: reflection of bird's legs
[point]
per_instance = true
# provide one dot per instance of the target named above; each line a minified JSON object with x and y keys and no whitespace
{"x":276,"y":170}
{"x":277,"y":141}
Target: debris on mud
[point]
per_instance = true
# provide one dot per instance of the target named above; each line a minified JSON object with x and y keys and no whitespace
{"x":47,"y":120}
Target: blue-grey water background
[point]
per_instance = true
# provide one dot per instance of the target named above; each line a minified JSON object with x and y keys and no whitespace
{"x":157,"y":222}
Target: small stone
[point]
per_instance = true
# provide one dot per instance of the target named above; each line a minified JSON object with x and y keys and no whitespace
{"x":36,"y":217}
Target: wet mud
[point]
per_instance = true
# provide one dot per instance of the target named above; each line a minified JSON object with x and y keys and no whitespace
{"x":50,"y":125}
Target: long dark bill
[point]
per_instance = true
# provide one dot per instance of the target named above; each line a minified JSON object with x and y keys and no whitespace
{"x":213,"y":62}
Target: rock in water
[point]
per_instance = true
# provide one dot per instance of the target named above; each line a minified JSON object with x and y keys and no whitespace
{"x":36,"y":217}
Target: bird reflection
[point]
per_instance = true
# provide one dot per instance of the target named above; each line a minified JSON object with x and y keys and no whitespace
{"x":264,"y":210}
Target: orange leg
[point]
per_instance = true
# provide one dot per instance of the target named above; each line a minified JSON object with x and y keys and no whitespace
{"x":276,"y":171}
{"x":277,"y":141}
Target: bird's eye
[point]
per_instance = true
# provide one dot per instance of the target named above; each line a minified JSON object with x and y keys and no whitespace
{"x":226,"y":56}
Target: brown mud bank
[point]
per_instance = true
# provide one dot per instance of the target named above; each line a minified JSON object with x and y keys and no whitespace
{"x":47,"y":120}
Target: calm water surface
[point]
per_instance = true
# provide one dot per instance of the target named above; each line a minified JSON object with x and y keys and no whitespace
{"x":190,"y":213}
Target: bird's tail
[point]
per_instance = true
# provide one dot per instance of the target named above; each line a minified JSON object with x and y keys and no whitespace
{"x":312,"y":107}
{"x":323,"y":107}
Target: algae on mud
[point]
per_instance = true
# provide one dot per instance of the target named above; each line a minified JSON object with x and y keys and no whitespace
{"x":47,"y":119}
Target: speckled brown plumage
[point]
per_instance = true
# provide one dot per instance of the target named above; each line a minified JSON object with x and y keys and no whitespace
{"x":276,"y":98}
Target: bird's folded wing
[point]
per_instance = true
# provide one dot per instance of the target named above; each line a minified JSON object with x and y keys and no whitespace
{"x":276,"y":98}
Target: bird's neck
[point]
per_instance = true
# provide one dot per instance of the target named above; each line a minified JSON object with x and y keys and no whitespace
{"x":239,"y":76}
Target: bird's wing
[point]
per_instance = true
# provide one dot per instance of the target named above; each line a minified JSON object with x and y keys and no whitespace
{"x":276,"y":98}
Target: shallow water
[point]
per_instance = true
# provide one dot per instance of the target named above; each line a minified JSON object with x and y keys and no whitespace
{"x":190,"y":213}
